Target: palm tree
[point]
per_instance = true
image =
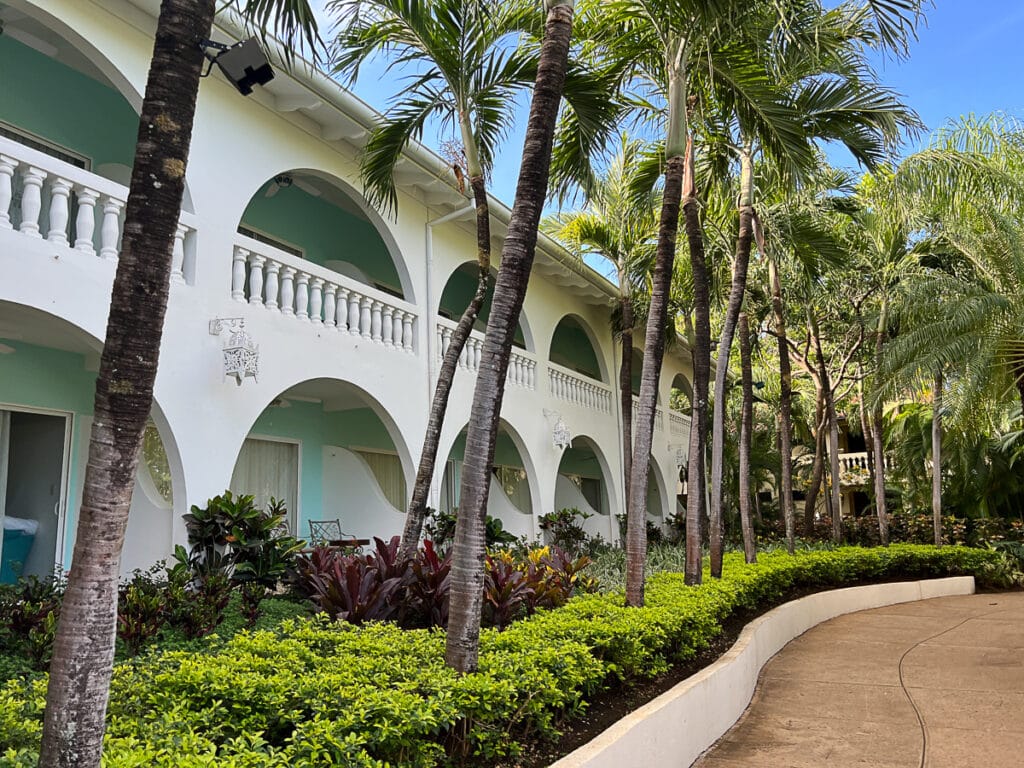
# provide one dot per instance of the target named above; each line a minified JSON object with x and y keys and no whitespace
{"x":619,"y":226}
{"x":746,"y":427}
{"x":466,"y":602}
{"x":83,"y":651}
{"x":667,"y":52}
{"x":825,"y":91}
{"x":469,"y":76}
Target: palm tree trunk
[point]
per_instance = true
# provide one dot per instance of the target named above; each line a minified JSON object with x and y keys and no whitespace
{"x":877,"y":437}
{"x":83,"y":652}
{"x":736,"y":292}
{"x":937,"y":458}
{"x":654,"y":352}
{"x":746,"y":426}
{"x":626,"y":382}
{"x":467,"y":572}
{"x":678,"y":156}
{"x":785,"y":407}
{"x":446,"y":375}
{"x":701,"y":357}
{"x":833,"y":428}
{"x":818,"y":465}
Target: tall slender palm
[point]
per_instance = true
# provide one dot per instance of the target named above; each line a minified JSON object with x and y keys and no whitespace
{"x":470,"y":69}
{"x":83,"y":651}
{"x":746,"y":428}
{"x":619,"y":226}
{"x":667,"y":52}
{"x":819,"y":68}
{"x":466,"y":603}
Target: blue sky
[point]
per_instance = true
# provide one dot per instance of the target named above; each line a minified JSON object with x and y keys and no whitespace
{"x":968,"y":59}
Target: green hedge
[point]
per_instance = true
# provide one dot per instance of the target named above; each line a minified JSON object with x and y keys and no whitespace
{"x":311,"y":693}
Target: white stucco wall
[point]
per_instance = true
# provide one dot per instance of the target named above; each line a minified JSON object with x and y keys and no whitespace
{"x":238,"y":145}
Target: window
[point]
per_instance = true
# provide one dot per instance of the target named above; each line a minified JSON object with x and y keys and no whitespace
{"x":272,"y":241}
{"x":40,"y":144}
{"x":269,"y":469}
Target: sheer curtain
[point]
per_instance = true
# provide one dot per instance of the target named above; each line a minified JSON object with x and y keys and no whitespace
{"x":388,"y":470}
{"x":268,"y":468}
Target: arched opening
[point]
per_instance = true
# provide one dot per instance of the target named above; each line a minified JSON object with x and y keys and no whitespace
{"x":329,"y":451}
{"x":459,"y":290}
{"x":637,"y":368}
{"x":46,"y":411}
{"x":583,"y":484}
{"x":680,"y":397}
{"x":315,"y":217}
{"x":573,"y":346}
{"x":66,"y":100}
{"x":655,"y":493}
{"x":510,"y":499}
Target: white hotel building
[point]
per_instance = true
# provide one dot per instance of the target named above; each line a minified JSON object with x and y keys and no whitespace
{"x":350,"y":310}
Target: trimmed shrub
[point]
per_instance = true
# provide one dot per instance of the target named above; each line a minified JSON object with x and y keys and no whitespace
{"x":316,"y":692}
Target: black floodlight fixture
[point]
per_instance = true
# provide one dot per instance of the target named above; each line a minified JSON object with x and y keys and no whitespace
{"x":244,"y":64}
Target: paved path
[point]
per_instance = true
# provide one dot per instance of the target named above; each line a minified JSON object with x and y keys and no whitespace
{"x":931,"y":684}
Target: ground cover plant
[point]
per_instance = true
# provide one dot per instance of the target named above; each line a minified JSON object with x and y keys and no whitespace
{"x":316,"y":692}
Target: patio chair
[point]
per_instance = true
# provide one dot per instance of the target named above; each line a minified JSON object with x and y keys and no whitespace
{"x":328,"y":533}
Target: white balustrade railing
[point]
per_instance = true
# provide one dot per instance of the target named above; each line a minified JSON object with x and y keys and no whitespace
{"x":46,"y":198}
{"x":858,"y":462}
{"x":678,"y":423}
{"x":659,"y":415}
{"x":522,"y":368}
{"x":290,"y":286}
{"x":579,"y":390}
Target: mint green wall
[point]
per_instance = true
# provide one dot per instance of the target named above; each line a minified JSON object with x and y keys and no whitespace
{"x":580,"y":461}
{"x":40,"y":377}
{"x":51,"y":100}
{"x":314,"y":428}
{"x":324,"y":231}
{"x":571,"y":347}
{"x":458,"y":292}
{"x":505,"y":452}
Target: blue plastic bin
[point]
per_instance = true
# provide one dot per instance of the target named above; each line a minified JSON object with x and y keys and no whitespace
{"x":17,"y":545}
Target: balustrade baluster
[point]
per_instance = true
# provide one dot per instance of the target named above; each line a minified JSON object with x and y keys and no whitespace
{"x":354,"y":313}
{"x":31,"y":200}
{"x":288,"y":291}
{"x":396,"y":328}
{"x":330,"y":305}
{"x":178,"y":255}
{"x":407,"y":331}
{"x":272,"y":287}
{"x":342,"y":314}
{"x":60,"y":191}
{"x":238,"y":263}
{"x":316,"y":301}
{"x":7,"y":166}
{"x":85,"y":220}
{"x":365,"y":317}
{"x":256,"y":263}
{"x":478,"y":353}
{"x":386,"y":329}
{"x":302,"y":297}
{"x":110,"y":229}
{"x":375,"y":321}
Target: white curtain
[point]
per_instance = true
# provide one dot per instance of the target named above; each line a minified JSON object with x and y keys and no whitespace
{"x":388,"y":470}
{"x":268,"y":468}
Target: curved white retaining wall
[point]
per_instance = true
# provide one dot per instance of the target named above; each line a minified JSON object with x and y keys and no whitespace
{"x":673,"y":730}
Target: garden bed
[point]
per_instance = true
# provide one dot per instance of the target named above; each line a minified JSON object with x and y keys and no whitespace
{"x":315,"y":693}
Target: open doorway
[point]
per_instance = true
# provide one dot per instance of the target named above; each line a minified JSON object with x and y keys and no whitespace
{"x":33,"y":475}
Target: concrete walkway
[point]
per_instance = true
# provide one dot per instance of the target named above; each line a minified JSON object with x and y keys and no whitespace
{"x":931,"y":684}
